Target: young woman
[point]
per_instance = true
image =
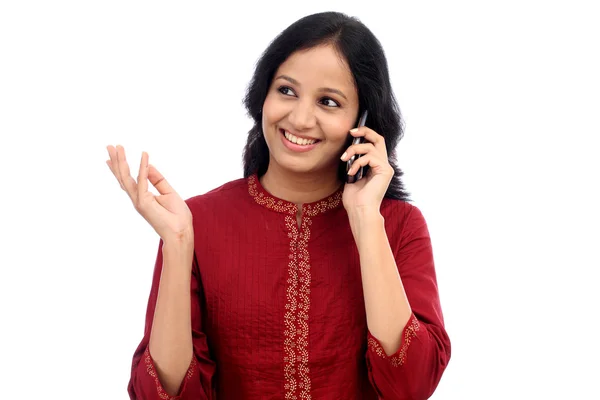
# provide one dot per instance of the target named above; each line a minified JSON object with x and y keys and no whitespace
{"x":291,"y":283}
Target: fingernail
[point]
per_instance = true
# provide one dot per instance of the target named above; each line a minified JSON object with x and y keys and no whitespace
{"x":354,"y":130}
{"x":344,"y":156}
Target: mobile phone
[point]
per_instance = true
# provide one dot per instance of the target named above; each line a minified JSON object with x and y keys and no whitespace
{"x":358,"y":140}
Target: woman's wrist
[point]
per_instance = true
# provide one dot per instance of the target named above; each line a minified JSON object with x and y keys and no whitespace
{"x":181,"y":246}
{"x":364,"y":220}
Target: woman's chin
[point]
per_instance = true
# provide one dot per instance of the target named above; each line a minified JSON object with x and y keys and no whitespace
{"x":296,"y":166}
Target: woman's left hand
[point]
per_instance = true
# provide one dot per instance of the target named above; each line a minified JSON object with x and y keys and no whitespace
{"x":367,"y":193}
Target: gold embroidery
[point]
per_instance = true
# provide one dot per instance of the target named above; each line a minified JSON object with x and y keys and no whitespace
{"x":152,"y":372}
{"x":289,"y":332}
{"x":319,"y":207}
{"x":297,"y":303}
{"x":269,"y":201}
{"x":400,"y":357}
{"x":311,"y":210}
{"x":303,"y":308}
{"x":296,"y":370}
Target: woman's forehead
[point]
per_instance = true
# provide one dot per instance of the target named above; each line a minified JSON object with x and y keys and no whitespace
{"x":318,"y":66}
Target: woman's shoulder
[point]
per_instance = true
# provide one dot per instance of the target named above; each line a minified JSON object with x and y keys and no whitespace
{"x":401,"y":213}
{"x":234,"y":191}
{"x":396,"y":208}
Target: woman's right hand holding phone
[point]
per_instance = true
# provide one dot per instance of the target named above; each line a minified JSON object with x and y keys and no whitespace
{"x":167,"y":213}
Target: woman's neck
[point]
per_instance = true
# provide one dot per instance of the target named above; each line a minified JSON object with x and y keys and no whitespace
{"x":299,"y":188}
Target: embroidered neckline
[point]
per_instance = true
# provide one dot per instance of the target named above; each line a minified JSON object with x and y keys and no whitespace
{"x":297,"y":302}
{"x":264,"y":198}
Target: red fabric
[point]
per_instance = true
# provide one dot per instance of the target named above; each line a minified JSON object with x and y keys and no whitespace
{"x":278,"y":309}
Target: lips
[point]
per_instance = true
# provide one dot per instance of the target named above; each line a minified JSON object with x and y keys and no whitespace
{"x":297,"y":140}
{"x":295,"y":144}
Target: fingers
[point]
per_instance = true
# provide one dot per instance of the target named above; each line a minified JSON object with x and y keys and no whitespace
{"x":372,"y":142}
{"x":112,"y":164}
{"x":370,"y":136}
{"x":358,"y":163}
{"x":142,"y":182}
{"x":158,"y":181}
{"x":375,"y":163}
{"x":367,"y":154}
{"x":122,"y":169}
{"x":360,"y":149}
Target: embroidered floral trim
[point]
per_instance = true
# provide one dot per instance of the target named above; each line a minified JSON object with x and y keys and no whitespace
{"x":319,"y":207}
{"x":297,"y":303}
{"x":310,"y":209}
{"x":399,"y":358}
{"x":269,"y":201}
{"x":152,"y":372}
{"x":296,"y":370}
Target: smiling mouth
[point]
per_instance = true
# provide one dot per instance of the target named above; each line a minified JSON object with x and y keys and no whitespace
{"x":298,"y":140}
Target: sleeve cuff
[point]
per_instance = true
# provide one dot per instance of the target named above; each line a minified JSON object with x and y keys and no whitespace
{"x":398,"y":358}
{"x":151,"y":370}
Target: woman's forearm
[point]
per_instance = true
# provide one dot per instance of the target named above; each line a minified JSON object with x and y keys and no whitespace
{"x":171,"y":344}
{"x":387,"y":307}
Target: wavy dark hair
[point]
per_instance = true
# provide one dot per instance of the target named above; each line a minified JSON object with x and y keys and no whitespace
{"x":366,"y":59}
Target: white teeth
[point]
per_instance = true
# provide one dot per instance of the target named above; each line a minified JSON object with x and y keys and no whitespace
{"x":297,"y":140}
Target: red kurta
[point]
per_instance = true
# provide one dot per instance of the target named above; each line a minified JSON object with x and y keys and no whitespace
{"x":278,"y":310}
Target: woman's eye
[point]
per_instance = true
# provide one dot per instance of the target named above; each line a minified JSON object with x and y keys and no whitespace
{"x":286,"y":91}
{"x":329,"y":102}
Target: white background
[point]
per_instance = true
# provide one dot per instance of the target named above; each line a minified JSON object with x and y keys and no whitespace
{"x":501,"y":102}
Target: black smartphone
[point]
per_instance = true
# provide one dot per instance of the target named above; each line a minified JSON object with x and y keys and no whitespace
{"x":358,"y":140}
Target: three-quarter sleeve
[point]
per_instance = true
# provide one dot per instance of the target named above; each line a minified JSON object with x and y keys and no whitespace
{"x":144,"y":383}
{"x":415,"y":369}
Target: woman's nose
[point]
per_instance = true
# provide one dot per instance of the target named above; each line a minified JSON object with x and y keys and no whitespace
{"x":302,"y":116}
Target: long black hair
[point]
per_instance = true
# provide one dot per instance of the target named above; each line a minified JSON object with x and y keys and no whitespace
{"x":366,"y":59}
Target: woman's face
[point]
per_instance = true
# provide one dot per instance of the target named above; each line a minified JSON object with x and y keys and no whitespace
{"x":310,"y":107}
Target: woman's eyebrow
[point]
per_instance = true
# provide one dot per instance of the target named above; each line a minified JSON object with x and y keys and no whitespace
{"x":325,"y":89}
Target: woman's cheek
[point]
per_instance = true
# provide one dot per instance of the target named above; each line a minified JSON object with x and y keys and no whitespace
{"x":337,"y":135}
